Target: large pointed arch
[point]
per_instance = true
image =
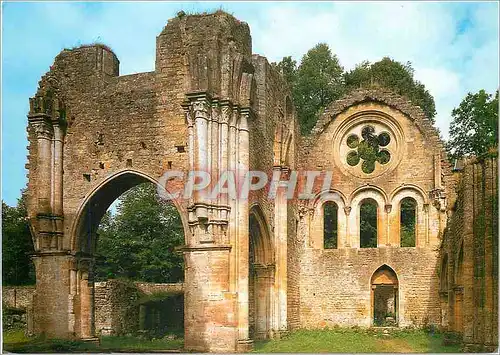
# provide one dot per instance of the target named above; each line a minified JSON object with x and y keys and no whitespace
{"x":98,"y":200}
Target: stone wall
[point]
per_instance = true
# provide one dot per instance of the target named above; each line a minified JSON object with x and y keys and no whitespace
{"x":469,"y":258}
{"x":117,"y":304}
{"x":335,"y":284}
{"x":17,"y":307}
{"x":18,"y":296}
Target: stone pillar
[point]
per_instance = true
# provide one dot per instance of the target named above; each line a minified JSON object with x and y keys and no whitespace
{"x":468,"y":264}
{"x":86,"y":299}
{"x":211,"y":263}
{"x":279,"y":317}
{"x":57,"y":182}
{"x":201,"y":157}
{"x":43,"y":131}
{"x":50,"y":302}
{"x":244,"y":342}
{"x":210,"y":316}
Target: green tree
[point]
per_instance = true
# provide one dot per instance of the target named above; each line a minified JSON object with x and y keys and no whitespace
{"x":317,"y":82}
{"x":288,"y":68}
{"x":17,"y":245}
{"x":474,"y":126}
{"x":139,"y":242}
{"x":395,"y":76}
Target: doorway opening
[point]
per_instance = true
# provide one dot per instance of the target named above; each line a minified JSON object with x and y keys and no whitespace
{"x":384,"y":295}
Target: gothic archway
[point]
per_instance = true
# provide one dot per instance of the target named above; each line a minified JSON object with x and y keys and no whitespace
{"x":84,"y":244}
{"x":261,"y":276}
{"x":384,"y":297}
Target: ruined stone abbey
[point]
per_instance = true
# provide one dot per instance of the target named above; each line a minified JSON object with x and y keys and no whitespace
{"x":256,"y":268}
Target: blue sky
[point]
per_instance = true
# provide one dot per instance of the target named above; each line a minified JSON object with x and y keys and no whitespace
{"x":452,"y":46}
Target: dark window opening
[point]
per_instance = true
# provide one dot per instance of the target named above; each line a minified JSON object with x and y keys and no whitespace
{"x":408,"y":222}
{"x":368,"y":224}
{"x":180,"y":148}
{"x":330,"y":222}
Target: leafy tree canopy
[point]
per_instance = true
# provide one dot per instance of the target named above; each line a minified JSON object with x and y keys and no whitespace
{"x":138,"y":242}
{"x":315,"y":83}
{"x":474,"y":126}
{"x":320,"y":79}
{"x":395,"y":76}
{"x":17,"y":245}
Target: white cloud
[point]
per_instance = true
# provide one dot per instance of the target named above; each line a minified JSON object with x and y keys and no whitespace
{"x":453,"y":46}
{"x":447,"y":62}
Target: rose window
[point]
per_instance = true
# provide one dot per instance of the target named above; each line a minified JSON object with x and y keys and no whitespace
{"x":369,"y":149}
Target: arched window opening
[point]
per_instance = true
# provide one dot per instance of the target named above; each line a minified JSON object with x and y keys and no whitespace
{"x":407,"y":222}
{"x":444,"y":274}
{"x":330,"y":225}
{"x":384,"y":287}
{"x":368,"y":224}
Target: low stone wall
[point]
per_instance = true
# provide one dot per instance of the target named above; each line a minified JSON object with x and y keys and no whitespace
{"x":20,"y":297}
{"x":17,"y":312}
{"x":150,"y":288}
{"x":117,"y":304}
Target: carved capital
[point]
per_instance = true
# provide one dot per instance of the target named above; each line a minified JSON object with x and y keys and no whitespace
{"x":201,"y":108}
{"x":388,"y":208}
{"x":347,"y":210}
{"x":189,"y":116}
{"x":438,"y":197}
{"x":227,"y":111}
{"x":216,"y":111}
{"x":234,"y":117}
{"x":43,"y":129}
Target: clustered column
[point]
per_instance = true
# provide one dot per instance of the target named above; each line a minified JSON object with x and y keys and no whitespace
{"x":216,"y":251}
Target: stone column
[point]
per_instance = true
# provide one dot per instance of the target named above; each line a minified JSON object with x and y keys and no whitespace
{"x":57,"y":183}
{"x":244,"y":342}
{"x":43,"y":130}
{"x":279,"y":318}
{"x":50,"y":302}
{"x":468,"y":260}
{"x":210,"y":299}
{"x":210,"y":314}
{"x":86,"y":299}
{"x":201,"y":155}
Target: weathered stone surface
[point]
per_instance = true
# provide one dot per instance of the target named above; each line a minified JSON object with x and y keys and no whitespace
{"x":255,"y":267}
{"x":469,"y":258}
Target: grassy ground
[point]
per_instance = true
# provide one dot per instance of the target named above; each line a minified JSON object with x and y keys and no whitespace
{"x":343,"y":340}
{"x":16,"y":341}
{"x":337,"y":340}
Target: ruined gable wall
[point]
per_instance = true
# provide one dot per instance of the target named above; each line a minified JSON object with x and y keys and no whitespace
{"x":347,"y":270}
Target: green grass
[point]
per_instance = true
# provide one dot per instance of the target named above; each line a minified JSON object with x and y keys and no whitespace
{"x":350,"y":340}
{"x":16,"y":341}
{"x":335,"y":340}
